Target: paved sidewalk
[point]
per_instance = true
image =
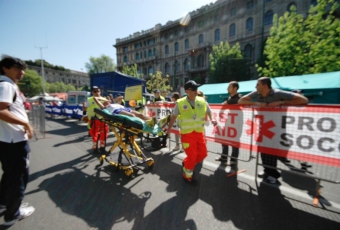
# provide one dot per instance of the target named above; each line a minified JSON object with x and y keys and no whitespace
{"x":71,"y":190}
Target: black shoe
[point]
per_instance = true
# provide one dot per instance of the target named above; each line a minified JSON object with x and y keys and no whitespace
{"x":102,"y":150}
{"x":221,"y":159}
{"x":231,"y":163}
{"x":262,"y":175}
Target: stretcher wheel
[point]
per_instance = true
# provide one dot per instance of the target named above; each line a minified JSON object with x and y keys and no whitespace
{"x":128,"y":172}
{"x":150,"y":164}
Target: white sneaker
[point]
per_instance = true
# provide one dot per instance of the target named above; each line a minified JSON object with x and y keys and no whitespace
{"x":176,"y":148}
{"x":24,"y":212}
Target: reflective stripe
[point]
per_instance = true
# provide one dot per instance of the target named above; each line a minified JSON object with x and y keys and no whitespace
{"x":190,"y":126}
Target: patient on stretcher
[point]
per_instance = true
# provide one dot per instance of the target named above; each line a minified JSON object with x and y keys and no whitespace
{"x":149,"y":123}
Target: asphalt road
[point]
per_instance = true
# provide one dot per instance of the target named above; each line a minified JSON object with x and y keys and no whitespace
{"x":71,"y":190}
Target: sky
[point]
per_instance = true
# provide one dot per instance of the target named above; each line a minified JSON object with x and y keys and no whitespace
{"x":69,"y":32}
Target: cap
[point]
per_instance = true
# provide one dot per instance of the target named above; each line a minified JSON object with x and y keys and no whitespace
{"x":156,"y":91}
{"x":191,"y":85}
{"x":94,"y":87}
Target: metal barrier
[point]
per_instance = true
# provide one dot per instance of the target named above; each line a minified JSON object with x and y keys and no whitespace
{"x":37,"y":117}
{"x":302,"y":140}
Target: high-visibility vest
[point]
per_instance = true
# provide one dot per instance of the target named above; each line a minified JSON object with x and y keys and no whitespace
{"x":161,"y":98}
{"x":92,"y":106}
{"x":190,"y":119}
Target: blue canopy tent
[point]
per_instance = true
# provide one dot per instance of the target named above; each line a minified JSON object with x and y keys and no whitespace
{"x":322,"y":88}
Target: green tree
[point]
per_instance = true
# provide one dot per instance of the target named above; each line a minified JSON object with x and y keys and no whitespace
{"x":227,"y":64}
{"x":303,"y":46}
{"x":34,"y":87}
{"x":157,"y":81}
{"x":70,"y":88}
{"x":131,"y":71}
{"x":101,"y":64}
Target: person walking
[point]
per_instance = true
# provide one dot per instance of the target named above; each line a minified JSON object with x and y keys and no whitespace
{"x":174,"y":98}
{"x":266,"y":96}
{"x":191,"y":111}
{"x":233,"y":98}
{"x":15,"y":131}
{"x":96,"y":126}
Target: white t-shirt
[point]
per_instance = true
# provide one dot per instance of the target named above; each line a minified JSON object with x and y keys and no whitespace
{"x":12,"y":132}
{"x":113,"y":107}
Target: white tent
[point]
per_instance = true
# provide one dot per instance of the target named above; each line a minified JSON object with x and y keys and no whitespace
{"x":45,"y":98}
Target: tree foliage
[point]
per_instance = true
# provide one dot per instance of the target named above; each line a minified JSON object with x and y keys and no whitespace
{"x":299,"y":45}
{"x":100,"y":64}
{"x":157,"y":81}
{"x":37,"y":63}
{"x":34,"y":80}
{"x":131,"y":71}
{"x":227,"y":64}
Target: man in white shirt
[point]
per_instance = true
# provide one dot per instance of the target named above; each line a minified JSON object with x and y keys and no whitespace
{"x":15,"y":130}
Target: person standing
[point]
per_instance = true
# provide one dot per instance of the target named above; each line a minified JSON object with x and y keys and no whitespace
{"x":191,"y":111}
{"x":233,"y":98}
{"x":15,"y":131}
{"x":158,"y":97}
{"x":174,"y":98}
{"x":266,"y":96}
{"x":120,"y":100}
{"x":96,"y":126}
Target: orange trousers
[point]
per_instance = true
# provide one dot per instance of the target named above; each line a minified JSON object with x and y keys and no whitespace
{"x":98,"y":127}
{"x":195,"y":148}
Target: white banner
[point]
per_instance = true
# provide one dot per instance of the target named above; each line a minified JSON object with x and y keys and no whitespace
{"x":310,"y":133}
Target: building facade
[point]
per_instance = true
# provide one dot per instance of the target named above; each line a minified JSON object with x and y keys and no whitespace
{"x":76,"y":78}
{"x":182,"y":52}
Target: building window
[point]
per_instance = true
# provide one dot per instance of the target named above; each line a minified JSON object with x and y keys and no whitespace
{"x":125,"y":49}
{"x":167,"y":68}
{"x":249,"y":25}
{"x":233,"y":12}
{"x":176,"y":67}
{"x":150,"y":71}
{"x":141,"y":54}
{"x":136,"y":45}
{"x":150,"y":42}
{"x":154,"y":51}
{"x":268,"y":18}
{"x":217,"y":35}
{"x":200,"y":61}
{"x":166,"y":51}
{"x":125,"y":59}
{"x":200,"y":24}
{"x":248,"y":52}
{"x":137,"y":56}
{"x":186,"y":44}
{"x":232,"y":30}
{"x":186,"y":64}
{"x":200,"y":39}
{"x":149,"y":53}
{"x":268,"y":1}
{"x":176,"y":47}
{"x":144,"y":54}
{"x":290,"y":6}
{"x":250,"y":5}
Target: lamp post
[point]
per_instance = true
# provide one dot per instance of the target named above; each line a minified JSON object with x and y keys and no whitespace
{"x":42,"y":68}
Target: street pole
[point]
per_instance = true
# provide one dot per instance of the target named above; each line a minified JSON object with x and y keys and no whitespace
{"x":42,"y":68}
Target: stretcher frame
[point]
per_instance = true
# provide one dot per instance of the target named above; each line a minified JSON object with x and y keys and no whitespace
{"x":126,"y":133}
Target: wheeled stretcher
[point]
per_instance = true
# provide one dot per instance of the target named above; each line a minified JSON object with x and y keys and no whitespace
{"x":126,"y":130}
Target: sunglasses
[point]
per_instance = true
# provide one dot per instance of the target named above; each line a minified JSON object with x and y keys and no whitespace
{"x":95,"y":91}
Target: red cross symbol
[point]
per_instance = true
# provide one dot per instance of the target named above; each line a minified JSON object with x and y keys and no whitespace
{"x":260,"y":128}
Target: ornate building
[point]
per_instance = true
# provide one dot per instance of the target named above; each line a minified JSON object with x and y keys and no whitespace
{"x":182,"y":52}
{"x":76,"y":78}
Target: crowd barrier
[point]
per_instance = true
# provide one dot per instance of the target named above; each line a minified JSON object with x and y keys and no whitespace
{"x":37,"y":118}
{"x":302,"y":134}
{"x":74,"y":111}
